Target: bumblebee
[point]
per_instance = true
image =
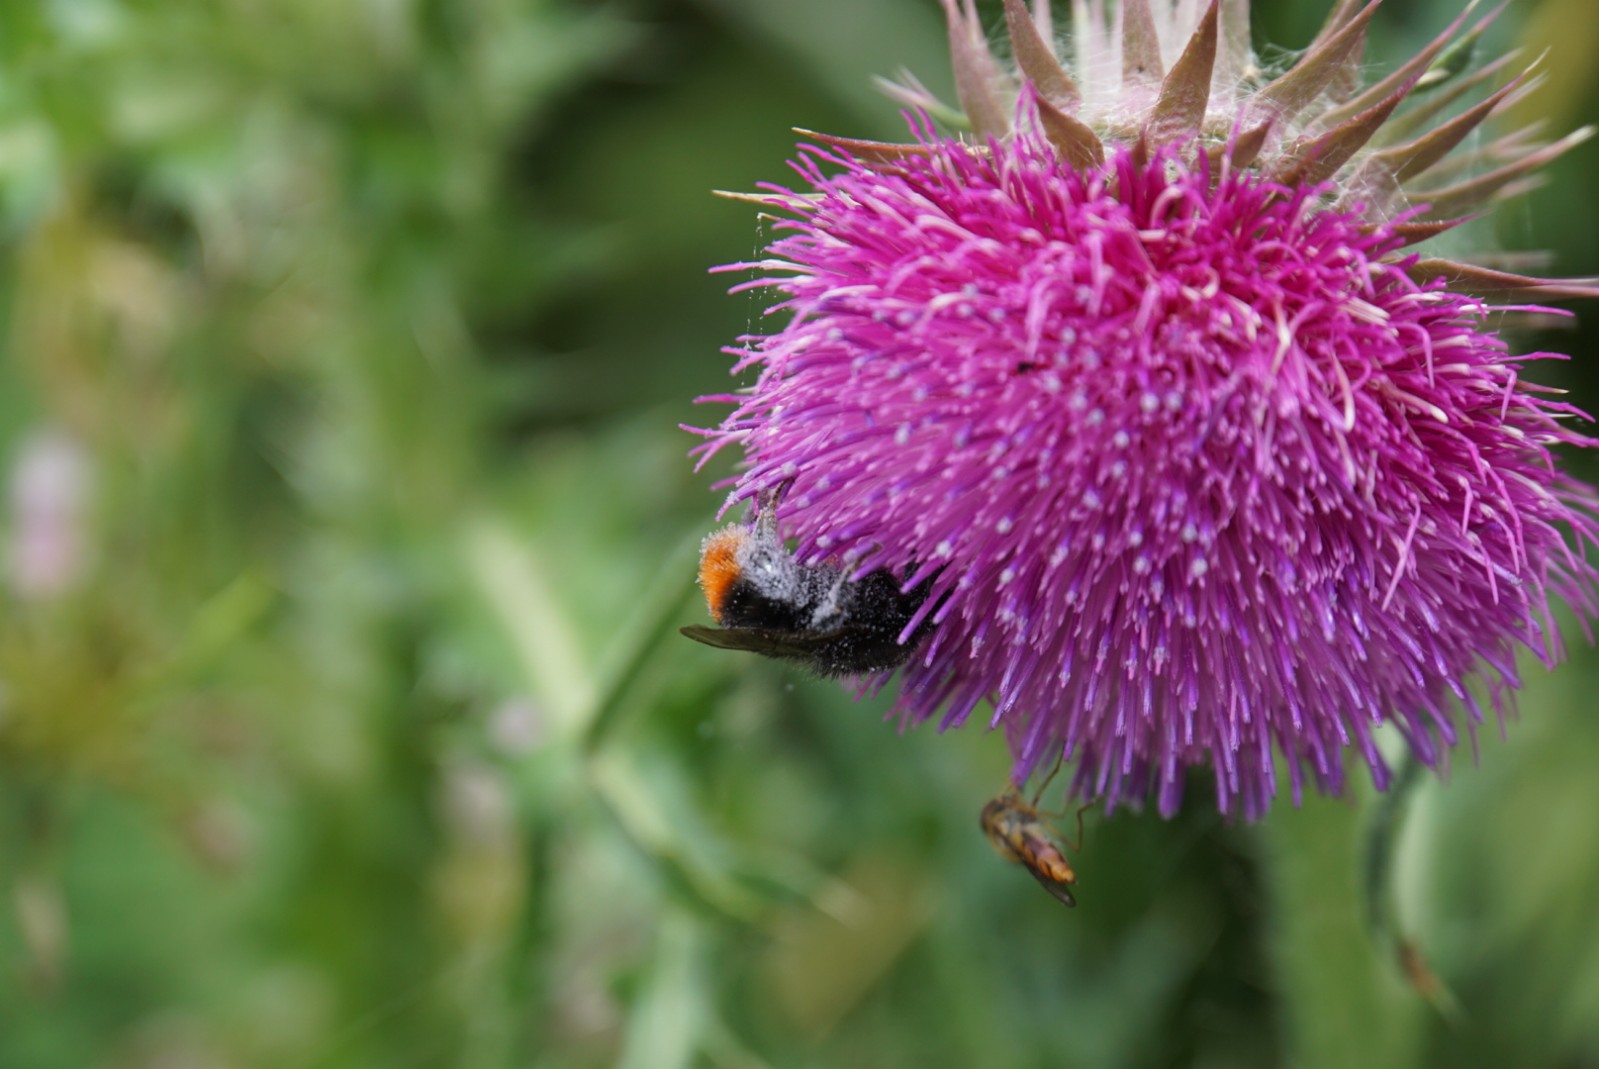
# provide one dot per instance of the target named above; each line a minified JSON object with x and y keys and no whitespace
{"x":767,"y":602}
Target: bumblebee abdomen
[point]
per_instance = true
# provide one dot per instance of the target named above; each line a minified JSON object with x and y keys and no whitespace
{"x":720,"y":569}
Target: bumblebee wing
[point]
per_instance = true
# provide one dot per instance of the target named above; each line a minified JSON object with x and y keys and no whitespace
{"x":757,"y":640}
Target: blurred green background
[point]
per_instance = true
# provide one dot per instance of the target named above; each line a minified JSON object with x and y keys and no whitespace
{"x":343,"y":721}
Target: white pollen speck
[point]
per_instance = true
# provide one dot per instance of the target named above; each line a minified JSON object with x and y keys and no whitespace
{"x":790,"y":469}
{"x":1190,"y":533}
{"x":1004,"y":525}
{"x":1091,"y":360}
{"x":1141,"y":565}
{"x":1174,"y":400}
{"x":997,"y":315}
{"x":1149,"y":402}
{"x":1077,"y":402}
{"x":823,"y":541}
{"x":1118,"y":469}
{"x":1068,"y":335}
{"x":970,"y":289}
{"x":1135,"y":538}
{"x":944,"y":550}
{"x":1006,"y":576}
{"x":905,"y":318}
{"x":1121,"y":439}
{"x":902,"y":435}
{"x":1098,"y":542}
{"x":1091,"y":498}
{"x":1096,"y":417}
{"x":965,"y":311}
{"x":1050,"y":383}
{"x":1199,"y":568}
{"x":835,"y":334}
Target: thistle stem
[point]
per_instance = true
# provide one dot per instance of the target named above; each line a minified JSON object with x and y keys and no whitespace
{"x":1344,"y":1004}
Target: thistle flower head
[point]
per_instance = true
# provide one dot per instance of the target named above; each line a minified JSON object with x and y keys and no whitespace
{"x":1197,"y":462}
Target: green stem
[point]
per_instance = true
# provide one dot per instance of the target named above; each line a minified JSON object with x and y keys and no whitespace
{"x":1343,"y":1004}
{"x":651,"y":627}
{"x":1381,"y":842}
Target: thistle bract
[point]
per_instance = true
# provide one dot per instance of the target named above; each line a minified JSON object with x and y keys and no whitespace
{"x":1199,"y":461}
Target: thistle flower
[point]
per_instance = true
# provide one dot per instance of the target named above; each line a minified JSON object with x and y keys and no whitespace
{"x":1198,"y":461}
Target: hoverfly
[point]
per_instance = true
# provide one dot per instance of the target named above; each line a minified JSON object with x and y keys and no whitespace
{"x":1018,"y":832}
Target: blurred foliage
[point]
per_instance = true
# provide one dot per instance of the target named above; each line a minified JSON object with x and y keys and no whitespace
{"x":342,"y":721}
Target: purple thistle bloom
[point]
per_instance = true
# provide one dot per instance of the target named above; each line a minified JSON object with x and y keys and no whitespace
{"x":1197,"y":465}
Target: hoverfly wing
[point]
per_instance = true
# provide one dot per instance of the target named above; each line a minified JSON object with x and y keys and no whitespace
{"x":1061,"y":891}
